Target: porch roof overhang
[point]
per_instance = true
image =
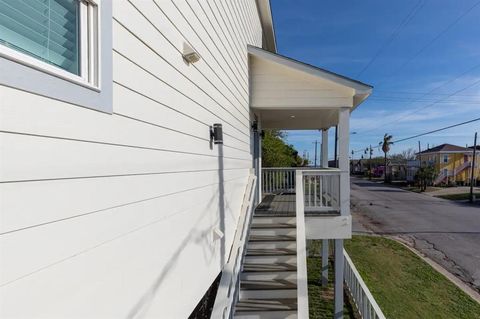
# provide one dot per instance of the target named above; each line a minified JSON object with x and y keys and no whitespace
{"x":288,"y":94}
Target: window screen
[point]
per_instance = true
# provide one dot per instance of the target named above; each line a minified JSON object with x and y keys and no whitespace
{"x":45,"y":29}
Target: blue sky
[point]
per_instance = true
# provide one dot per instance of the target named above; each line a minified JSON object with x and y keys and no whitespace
{"x":421,"y":56}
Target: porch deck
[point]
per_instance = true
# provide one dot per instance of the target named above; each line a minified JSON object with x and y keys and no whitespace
{"x":278,"y":205}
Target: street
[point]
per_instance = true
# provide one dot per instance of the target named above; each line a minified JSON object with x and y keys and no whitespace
{"x":447,"y":232}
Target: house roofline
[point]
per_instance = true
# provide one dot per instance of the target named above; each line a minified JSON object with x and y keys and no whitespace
{"x":445,"y":152}
{"x":266,"y":19}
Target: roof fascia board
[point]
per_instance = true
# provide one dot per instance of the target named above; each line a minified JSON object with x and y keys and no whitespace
{"x":266,"y":19}
{"x":445,"y":152}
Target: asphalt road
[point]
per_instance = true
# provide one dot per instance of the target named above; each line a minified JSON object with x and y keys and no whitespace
{"x":446,"y":231}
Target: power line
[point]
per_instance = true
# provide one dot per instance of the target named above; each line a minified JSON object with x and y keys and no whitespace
{"x":421,"y":93}
{"x":394,"y":35}
{"x":399,"y":100}
{"x":437,"y":101}
{"x":439,"y":35}
{"x":422,"y":134}
{"x":437,"y":130}
{"x":451,"y":25}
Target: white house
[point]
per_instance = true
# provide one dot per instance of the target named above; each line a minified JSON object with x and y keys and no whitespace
{"x":115,"y":199}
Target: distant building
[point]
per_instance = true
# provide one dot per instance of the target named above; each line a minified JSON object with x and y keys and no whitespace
{"x":452,"y":163}
{"x":411,"y":170}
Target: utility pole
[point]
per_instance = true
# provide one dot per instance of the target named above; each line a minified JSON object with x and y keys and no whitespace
{"x":419,"y":155}
{"x":336,"y":146}
{"x":369,"y":162}
{"x":473,"y":167}
{"x":316,"y":142}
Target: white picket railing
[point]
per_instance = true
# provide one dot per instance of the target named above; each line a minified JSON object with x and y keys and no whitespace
{"x":228,"y":288}
{"x":277,"y":180}
{"x":322,"y":190}
{"x":302,"y":278}
{"x":440,"y":178}
{"x":363,"y":300}
{"x":462,"y":167}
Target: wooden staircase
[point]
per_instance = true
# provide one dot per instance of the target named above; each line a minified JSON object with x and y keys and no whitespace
{"x":268,"y":281}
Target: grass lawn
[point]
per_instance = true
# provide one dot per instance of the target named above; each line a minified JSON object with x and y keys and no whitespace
{"x":320,"y":300}
{"x":404,"y":285}
{"x":416,"y":189}
{"x":463,"y":196}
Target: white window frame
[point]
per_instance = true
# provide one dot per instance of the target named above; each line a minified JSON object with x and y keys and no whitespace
{"x":445,"y":158}
{"x":89,"y":50}
{"x":93,"y":88}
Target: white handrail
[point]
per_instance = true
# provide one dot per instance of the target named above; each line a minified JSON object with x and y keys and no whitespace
{"x":322,"y":190}
{"x":278,"y":179}
{"x":363,"y":300}
{"x":302,"y":281}
{"x":227,"y":292}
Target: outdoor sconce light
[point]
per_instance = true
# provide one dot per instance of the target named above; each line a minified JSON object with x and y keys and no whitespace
{"x":255,"y":126}
{"x":189,"y":54}
{"x":216,"y":134}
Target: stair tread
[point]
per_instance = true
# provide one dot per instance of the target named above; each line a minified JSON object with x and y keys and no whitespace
{"x":271,"y":272}
{"x":266,"y":304}
{"x":268,"y":284}
{"x":272,"y":238}
{"x":262,"y":214}
{"x":270,"y":252}
{"x":272,"y":225}
{"x":259,"y":267}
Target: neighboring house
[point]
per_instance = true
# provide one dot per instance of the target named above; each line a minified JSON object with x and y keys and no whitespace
{"x":358,"y":166}
{"x":412,"y":169}
{"x":452,"y":163}
{"x":117,"y":201}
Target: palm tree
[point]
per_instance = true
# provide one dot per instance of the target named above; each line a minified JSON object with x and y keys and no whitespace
{"x":387,"y":141}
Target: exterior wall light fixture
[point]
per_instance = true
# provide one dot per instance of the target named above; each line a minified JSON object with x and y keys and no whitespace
{"x":255,"y":126}
{"x":189,"y":54}
{"x":216,"y":134}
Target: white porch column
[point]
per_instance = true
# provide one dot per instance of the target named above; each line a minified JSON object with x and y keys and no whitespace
{"x":343,"y":159}
{"x":325,"y":254}
{"x":339,"y":270}
{"x":325,"y":248}
{"x":324,"y":160}
{"x":259,"y":162}
{"x":344,"y":166}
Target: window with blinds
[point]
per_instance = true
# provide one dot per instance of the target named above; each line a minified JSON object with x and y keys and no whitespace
{"x":45,"y":29}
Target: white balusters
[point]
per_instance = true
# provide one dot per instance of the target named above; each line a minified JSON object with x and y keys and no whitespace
{"x":363,"y":300}
{"x":321,"y":190}
{"x":278,"y":180}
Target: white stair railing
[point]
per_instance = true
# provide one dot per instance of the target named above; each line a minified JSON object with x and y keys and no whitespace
{"x":439,"y":178}
{"x":302,"y":280}
{"x":322,"y":190}
{"x":278,"y":180}
{"x":227,"y":293}
{"x":363,"y":300}
{"x":462,"y":167}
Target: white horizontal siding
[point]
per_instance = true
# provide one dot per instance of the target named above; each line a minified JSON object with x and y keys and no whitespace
{"x":128,"y":258}
{"x":103,"y":216}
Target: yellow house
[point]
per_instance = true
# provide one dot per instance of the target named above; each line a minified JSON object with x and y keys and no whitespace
{"x":452,"y":163}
